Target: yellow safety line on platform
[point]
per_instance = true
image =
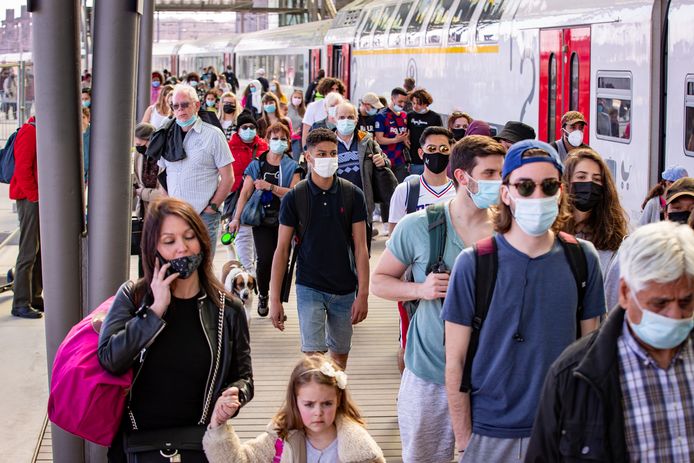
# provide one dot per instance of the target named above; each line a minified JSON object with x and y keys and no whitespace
{"x":431,"y":51}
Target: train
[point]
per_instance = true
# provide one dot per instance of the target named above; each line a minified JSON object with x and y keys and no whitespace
{"x":625,"y":64}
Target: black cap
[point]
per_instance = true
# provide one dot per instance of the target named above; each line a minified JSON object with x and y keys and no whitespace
{"x":515,"y":131}
{"x":246,"y":118}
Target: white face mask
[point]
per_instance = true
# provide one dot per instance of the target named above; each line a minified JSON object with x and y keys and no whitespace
{"x":536,"y":215}
{"x":575,"y":138}
{"x":325,"y":167}
{"x":296,"y":101}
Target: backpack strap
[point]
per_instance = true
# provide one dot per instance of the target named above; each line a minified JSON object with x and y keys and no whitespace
{"x":579,"y":268}
{"x":438,"y":231}
{"x":412,"y":194}
{"x":487,"y":265}
{"x":302,"y":201}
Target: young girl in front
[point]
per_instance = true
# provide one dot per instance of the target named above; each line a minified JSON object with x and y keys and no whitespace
{"x":317,"y":422}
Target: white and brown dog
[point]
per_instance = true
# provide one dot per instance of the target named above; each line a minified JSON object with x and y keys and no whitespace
{"x":241,"y":283}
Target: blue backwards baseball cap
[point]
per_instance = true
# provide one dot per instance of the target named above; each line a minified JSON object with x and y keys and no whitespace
{"x":514,"y":156}
{"x":674,"y":173}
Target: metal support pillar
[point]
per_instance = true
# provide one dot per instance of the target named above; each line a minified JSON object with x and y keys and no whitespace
{"x":144,"y":60}
{"x":59,"y":138}
{"x":21,"y":113}
{"x":116,"y":25}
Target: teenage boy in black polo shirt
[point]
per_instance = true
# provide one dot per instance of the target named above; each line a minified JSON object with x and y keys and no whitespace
{"x":326,"y":278}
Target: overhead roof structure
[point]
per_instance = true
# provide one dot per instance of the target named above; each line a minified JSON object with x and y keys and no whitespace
{"x":245,"y":6}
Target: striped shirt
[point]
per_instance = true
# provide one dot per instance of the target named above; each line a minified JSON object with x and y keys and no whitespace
{"x":195,"y":178}
{"x":658,"y":403}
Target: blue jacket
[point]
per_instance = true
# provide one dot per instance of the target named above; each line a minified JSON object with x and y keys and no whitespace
{"x":288,"y":167}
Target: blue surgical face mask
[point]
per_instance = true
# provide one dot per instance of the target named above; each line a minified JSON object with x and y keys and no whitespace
{"x":156,"y":84}
{"x":210,"y":103}
{"x":278,"y":146}
{"x":346,"y":126}
{"x":247,"y":134}
{"x":397,"y":108}
{"x":86,"y":103}
{"x":253,"y":89}
{"x":372,"y":112}
{"x":193,"y":83}
{"x":535,"y":216}
{"x":189,"y":122}
{"x":659,"y":331}
{"x":487,"y":192}
{"x":270,"y":108}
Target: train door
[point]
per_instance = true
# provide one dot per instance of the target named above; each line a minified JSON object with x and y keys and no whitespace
{"x":338,"y":63}
{"x":564,"y":78}
{"x":314,"y":64}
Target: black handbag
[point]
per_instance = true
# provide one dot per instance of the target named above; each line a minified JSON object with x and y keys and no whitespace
{"x":182,"y":444}
{"x":383,"y":183}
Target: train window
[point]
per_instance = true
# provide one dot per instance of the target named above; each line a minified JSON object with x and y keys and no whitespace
{"x":552,"y":98}
{"x":460,"y":22}
{"x":382,"y":26}
{"x":398,"y":22}
{"x":372,"y":20}
{"x":613,"y":106}
{"x":488,"y":23}
{"x":416,"y":20}
{"x":573,"y":102}
{"x":437,"y":21}
{"x":689,"y":117}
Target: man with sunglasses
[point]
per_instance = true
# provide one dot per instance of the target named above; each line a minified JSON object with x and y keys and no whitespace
{"x":198,"y":167}
{"x":434,"y":185}
{"x":423,"y":417}
{"x":573,"y":126}
{"x":532,"y":316}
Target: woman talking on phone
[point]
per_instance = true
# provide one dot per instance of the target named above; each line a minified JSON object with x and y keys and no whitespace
{"x":185,"y":339}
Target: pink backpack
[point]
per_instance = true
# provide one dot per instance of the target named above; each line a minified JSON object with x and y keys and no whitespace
{"x":85,"y":399}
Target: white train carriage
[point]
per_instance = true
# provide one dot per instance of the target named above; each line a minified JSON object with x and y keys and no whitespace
{"x":532,"y":61}
{"x":292,"y":55}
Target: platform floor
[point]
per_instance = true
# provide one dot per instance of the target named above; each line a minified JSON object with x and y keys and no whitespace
{"x":372,"y":370}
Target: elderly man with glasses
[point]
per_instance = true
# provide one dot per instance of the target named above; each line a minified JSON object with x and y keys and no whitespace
{"x":198,"y":167}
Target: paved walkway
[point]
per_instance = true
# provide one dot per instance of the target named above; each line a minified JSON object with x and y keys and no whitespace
{"x":372,"y":369}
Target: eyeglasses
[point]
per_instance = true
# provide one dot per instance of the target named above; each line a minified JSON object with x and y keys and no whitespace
{"x":549,"y":186}
{"x":431,"y":149}
{"x":177,"y":106}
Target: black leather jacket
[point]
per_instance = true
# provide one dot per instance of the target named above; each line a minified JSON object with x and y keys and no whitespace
{"x":125,"y":337}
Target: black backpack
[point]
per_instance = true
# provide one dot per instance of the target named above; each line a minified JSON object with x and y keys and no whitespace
{"x":438,"y":231}
{"x":487,"y":264}
{"x":412,"y":194}
{"x":302,"y":201}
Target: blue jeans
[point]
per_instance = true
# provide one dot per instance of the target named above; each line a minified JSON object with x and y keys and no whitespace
{"x":314,"y":307}
{"x":211,"y":221}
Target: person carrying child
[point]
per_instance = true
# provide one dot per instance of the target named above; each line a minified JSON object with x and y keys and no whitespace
{"x":317,"y":422}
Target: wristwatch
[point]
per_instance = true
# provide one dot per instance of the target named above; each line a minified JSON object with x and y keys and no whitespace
{"x":214,"y":207}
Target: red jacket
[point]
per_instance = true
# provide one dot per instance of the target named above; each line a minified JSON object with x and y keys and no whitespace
{"x":243,"y":154}
{"x":25,"y":181}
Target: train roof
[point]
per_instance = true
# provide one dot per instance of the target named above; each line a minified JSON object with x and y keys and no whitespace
{"x":301,"y":35}
{"x":209,"y":45}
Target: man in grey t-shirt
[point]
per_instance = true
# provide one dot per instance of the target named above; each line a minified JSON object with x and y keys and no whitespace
{"x":204,"y":177}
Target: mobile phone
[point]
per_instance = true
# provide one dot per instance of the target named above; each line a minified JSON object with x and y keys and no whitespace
{"x":163,"y":261}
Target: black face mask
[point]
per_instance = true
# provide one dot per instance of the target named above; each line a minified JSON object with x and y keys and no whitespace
{"x":586,"y":195}
{"x":679,"y":217}
{"x":436,"y":162}
{"x":458,"y":133}
{"x":142,"y":149}
{"x":229,"y":108}
{"x":184,"y":266}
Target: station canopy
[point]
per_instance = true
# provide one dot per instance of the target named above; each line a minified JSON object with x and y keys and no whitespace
{"x":247,"y":6}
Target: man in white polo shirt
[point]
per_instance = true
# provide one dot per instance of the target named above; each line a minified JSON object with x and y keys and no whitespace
{"x":201,"y":172}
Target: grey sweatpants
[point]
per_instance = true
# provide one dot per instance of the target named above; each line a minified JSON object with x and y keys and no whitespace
{"x":492,"y":449}
{"x":425,"y":424}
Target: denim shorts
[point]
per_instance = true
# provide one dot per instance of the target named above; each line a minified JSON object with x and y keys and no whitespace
{"x":314,"y":307}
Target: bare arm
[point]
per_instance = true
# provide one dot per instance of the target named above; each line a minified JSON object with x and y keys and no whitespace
{"x":147,"y":116}
{"x":590,"y":325}
{"x":245,"y":193}
{"x":279,"y":268}
{"x":387,"y":282}
{"x":281,"y":191}
{"x":360,"y":307}
{"x":227,"y":180}
{"x":304,"y":135}
{"x":457,"y":341}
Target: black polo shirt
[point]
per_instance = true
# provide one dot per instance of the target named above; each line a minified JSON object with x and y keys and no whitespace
{"x":325,"y":262}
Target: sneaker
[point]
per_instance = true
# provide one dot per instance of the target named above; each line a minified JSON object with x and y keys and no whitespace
{"x":263,"y":308}
{"x":26,"y":312}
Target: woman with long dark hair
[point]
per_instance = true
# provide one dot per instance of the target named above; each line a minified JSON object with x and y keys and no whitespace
{"x":185,"y":337}
{"x":596,"y":213}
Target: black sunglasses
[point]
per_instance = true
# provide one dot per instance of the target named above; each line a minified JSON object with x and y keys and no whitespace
{"x":526,"y":188}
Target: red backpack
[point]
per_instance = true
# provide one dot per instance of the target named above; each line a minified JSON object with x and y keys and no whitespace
{"x":85,"y":399}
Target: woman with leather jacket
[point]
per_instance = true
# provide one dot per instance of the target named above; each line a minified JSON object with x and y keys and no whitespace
{"x":185,"y":337}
